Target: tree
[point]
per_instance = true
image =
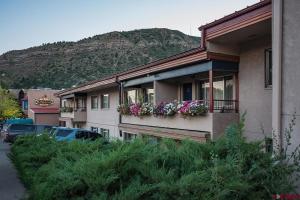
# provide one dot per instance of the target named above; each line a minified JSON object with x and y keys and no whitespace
{"x":9,"y":107}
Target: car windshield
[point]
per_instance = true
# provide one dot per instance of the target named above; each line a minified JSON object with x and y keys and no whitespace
{"x":22,"y":127}
{"x":63,"y":132}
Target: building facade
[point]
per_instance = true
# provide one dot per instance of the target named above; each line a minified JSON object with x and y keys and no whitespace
{"x":234,"y":71}
{"x":42,"y":106}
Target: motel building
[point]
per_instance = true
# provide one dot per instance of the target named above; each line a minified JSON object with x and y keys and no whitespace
{"x":41,"y":106}
{"x":247,"y":61}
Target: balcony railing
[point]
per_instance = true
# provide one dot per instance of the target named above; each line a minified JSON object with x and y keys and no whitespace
{"x":80,"y":109}
{"x":71,"y":109}
{"x":222,"y":105}
{"x":76,"y":114}
{"x":226,"y":105}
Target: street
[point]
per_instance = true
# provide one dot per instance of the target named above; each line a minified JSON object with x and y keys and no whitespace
{"x":10,"y":186}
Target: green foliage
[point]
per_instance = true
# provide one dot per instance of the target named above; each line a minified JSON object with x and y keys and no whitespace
{"x":9,"y":107}
{"x":229,"y":168}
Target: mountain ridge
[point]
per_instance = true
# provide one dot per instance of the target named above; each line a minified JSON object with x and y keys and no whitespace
{"x":64,"y":64}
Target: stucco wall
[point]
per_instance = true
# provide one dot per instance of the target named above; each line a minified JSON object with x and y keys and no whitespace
{"x":107,"y":118}
{"x":221,"y":48}
{"x":291,"y":66}
{"x":221,"y":121}
{"x":199,"y":123}
{"x":254,"y":98}
{"x":165,"y":91}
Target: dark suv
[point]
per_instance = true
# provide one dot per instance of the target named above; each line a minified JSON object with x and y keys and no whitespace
{"x":14,"y":130}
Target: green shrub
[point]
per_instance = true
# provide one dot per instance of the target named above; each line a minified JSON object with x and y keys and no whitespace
{"x":229,"y":168}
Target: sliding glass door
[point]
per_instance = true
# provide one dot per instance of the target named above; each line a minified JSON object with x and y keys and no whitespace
{"x":223,"y":89}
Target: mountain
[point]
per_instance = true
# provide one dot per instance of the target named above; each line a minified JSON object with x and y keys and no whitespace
{"x":64,"y":64}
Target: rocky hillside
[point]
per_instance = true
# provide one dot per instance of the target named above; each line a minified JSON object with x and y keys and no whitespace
{"x":63,"y":64}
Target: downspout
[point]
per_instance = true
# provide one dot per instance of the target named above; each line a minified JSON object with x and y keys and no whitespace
{"x":276,"y":75}
{"x":120,"y":96}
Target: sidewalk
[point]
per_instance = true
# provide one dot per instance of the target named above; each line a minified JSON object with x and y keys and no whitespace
{"x":10,"y":186}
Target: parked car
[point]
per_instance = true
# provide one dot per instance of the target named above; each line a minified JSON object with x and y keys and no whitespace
{"x":12,"y":131}
{"x":70,"y":134}
{"x":5,"y":123}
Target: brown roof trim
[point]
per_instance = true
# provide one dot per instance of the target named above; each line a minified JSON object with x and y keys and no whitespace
{"x":84,"y":84}
{"x":87,"y":86}
{"x":188,"y":59}
{"x":222,"y":57}
{"x":164,"y":60}
{"x":236,"y":14}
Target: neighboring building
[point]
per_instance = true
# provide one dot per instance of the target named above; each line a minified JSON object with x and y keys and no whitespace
{"x":92,"y":107}
{"x":42,"y":106}
{"x":18,"y":94}
{"x":231,"y":72}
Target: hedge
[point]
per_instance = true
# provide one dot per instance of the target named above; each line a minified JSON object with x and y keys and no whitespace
{"x":228,"y":168}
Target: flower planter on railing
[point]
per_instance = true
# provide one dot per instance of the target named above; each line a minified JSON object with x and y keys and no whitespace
{"x":123,"y":109}
{"x":163,"y":109}
{"x":192,"y":108}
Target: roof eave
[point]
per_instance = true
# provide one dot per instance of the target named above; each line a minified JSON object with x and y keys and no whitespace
{"x":235,"y":14}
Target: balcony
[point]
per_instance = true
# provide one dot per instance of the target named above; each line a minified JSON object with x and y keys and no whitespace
{"x":76,"y":115}
{"x":215,"y":83}
{"x":214,"y":123}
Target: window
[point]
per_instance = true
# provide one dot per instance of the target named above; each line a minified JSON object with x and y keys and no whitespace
{"x":149,"y":95}
{"x":105,"y":101}
{"x":64,"y":103}
{"x":94,"y":102}
{"x":187,"y":91}
{"x":129,"y":136}
{"x":223,"y":89}
{"x":80,"y":104}
{"x":268,"y":68}
{"x":131,"y":96}
{"x":228,"y":88}
{"x":94,"y":129}
{"x":25,"y":105}
{"x":105,"y":132}
{"x":63,"y":132}
{"x":22,"y":127}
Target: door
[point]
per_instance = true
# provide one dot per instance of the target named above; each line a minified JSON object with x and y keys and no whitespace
{"x":187,"y":91}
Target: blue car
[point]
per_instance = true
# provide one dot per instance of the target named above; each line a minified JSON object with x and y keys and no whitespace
{"x":70,"y":134}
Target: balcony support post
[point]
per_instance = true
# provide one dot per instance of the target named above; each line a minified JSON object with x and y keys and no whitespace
{"x":74,"y":103}
{"x":211,"y":92}
{"x":236,"y":77}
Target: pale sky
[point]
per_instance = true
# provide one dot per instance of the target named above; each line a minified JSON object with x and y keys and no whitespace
{"x":27,"y":23}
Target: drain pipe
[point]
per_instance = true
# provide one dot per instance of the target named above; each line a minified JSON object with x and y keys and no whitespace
{"x":120,"y":96}
{"x":276,"y":75}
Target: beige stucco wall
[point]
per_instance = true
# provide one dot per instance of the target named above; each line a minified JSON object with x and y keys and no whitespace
{"x":199,"y":123}
{"x":232,"y":49}
{"x":291,"y":67}
{"x":255,"y":99}
{"x":221,"y":121}
{"x":164,"y":91}
{"x":68,"y":122}
{"x":104,"y":118}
